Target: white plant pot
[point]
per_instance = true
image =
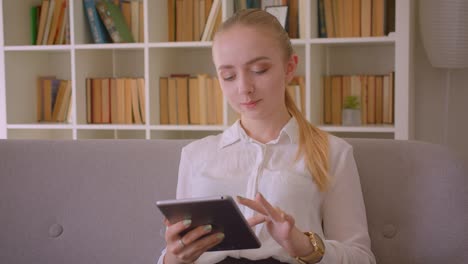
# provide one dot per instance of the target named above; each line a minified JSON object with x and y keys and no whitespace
{"x":351,"y":117}
{"x":444,"y":32}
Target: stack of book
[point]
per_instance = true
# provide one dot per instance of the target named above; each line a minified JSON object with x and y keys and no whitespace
{"x":49,"y":23}
{"x":295,"y":22}
{"x":115,"y":101}
{"x":115,"y":21}
{"x":53,"y":99}
{"x":355,"y":18}
{"x":296,"y":90}
{"x":375,"y":94}
{"x":193,"y":20}
{"x":184,"y":100}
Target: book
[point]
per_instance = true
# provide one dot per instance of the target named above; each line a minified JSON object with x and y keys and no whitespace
{"x":42,"y":21}
{"x":194,"y":101}
{"x":33,"y":16}
{"x":98,"y":30}
{"x":208,"y":30}
{"x":371,"y":99}
{"x":89,"y":103}
{"x":366,"y":18}
{"x":171,"y":23}
{"x":135,"y":101}
{"x":337,"y":101}
{"x":182,"y":100}
{"x":378,"y":18}
{"x":106,"y":101}
{"x":327,"y":97}
{"x":135,"y":21}
{"x":120,"y":101}
{"x":163,"y":101}
{"x":128,"y":101}
{"x":50,"y":14}
{"x":59,"y":12}
{"x":114,"y":22}
{"x":172,"y":101}
{"x":142,"y":98}
{"x":96,"y":101}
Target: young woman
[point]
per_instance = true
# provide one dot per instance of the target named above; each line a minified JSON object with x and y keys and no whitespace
{"x":298,"y":186}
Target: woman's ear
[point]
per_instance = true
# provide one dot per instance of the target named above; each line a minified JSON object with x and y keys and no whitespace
{"x":291,"y":67}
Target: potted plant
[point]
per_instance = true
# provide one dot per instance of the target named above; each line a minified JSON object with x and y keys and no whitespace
{"x":351,"y":115}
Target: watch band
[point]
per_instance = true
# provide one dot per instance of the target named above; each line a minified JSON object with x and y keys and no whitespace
{"x":317,"y":254}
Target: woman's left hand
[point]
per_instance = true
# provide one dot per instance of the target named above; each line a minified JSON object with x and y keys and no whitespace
{"x":280,"y":225}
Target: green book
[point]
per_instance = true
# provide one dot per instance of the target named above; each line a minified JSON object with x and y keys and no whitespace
{"x":114,"y":21}
{"x":33,"y":15}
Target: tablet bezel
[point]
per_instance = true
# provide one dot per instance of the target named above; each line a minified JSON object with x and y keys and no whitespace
{"x":221,"y":212}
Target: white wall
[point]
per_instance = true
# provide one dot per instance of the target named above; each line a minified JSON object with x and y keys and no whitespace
{"x":430,"y":108}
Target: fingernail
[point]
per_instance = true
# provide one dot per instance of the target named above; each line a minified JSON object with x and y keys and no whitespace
{"x":208,"y":228}
{"x":220,"y":236}
{"x":187,"y":222}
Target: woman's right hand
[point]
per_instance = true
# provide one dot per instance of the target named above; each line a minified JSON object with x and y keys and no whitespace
{"x":188,"y":248}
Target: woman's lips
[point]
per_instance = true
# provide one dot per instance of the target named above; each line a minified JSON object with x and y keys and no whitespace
{"x":250,"y":104}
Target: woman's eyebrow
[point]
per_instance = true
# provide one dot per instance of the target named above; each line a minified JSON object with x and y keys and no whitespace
{"x":247,"y":63}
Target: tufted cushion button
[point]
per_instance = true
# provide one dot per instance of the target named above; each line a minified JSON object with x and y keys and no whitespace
{"x":389,"y":231}
{"x":55,"y":230}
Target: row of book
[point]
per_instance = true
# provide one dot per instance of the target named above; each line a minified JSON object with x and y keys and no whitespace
{"x":118,"y":21}
{"x":295,"y":19}
{"x":50,"y":23}
{"x":375,"y":95}
{"x":193,"y":20}
{"x":296,"y":90}
{"x":115,"y":101}
{"x":53,"y":99}
{"x":355,"y":18}
{"x":191,"y":100}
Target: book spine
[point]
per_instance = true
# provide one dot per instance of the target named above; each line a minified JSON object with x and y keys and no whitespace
{"x":34,"y":27}
{"x":97,"y":27}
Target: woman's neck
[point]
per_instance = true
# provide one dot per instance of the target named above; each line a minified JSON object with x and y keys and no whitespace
{"x":265,"y":130}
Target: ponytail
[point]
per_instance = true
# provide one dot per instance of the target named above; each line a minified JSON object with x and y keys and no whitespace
{"x":313,"y":146}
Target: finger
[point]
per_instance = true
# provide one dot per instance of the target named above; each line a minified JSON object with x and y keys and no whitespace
{"x":196,"y":233}
{"x":268,"y":208}
{"x":173,"y":231}
{"x":254,"y":205}
{"x":257,"y":219}
{"x":166,"y":222}
{"x":194,"y":250}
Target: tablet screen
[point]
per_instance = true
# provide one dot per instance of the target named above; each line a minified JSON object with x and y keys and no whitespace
{"x":219,"y":211}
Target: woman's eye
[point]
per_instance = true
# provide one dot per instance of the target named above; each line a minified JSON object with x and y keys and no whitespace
{"x":228,"y":78}
{"x":260,"y":71}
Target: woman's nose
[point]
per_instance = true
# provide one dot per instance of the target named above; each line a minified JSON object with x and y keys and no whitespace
{"x":245,"y":85}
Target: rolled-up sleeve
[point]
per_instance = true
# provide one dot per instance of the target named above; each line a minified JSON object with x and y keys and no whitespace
{"x":345,"y":229}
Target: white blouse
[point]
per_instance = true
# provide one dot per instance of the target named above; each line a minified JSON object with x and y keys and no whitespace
{"x":234,"y":164}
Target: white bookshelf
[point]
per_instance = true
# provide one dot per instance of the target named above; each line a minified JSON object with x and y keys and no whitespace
{"x":21,"y":63}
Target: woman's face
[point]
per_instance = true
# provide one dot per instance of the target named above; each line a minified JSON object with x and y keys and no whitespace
{"x":252,"y":71}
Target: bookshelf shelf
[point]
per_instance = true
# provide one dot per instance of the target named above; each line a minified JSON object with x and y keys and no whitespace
{"x":190,"y":127}
{"x":116,"y":46}
{"x":155,"y":57}
{"x":344,"y":41}
{"x":35,"y":126}
{"x":363,"y":129}
{"x":110,"y":127}
{"x":39,"y":48}
{"x":188,"y":44}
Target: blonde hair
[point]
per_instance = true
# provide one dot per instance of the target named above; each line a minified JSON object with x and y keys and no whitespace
{"x":313,"y":142}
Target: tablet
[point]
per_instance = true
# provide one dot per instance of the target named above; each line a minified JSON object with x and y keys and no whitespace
{"x":219,"y":211}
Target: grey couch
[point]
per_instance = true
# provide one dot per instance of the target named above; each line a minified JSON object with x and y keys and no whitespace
{"x":94,"y":201}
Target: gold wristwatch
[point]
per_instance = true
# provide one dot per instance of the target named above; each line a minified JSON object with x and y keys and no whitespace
{"x":319,"y":249}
